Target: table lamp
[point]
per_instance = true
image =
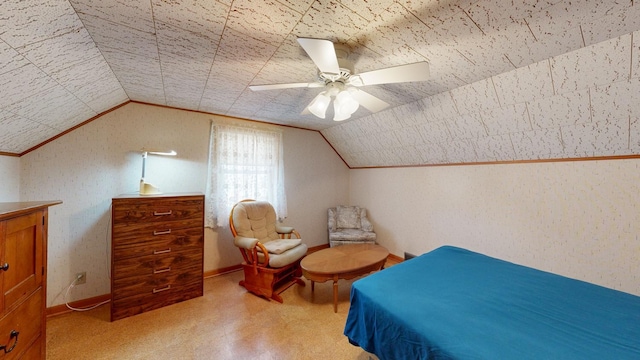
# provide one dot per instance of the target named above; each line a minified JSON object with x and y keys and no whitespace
{"x":145,"y":187}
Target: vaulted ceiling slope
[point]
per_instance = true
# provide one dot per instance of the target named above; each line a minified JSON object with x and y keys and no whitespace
{"x":510,"y":80}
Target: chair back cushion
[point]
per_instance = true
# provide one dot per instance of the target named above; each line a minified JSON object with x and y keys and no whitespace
{"x":255,"y":219}
{"x":347,"y":217}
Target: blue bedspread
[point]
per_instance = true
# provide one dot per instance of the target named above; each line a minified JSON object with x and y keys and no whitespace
{"x":453,"y":303}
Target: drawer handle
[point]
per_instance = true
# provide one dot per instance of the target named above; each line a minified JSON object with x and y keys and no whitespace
{"x":160,"y":271}
{"x":156,"y":252}
{"x":157,"y":213}
{"x":162,"y":232}
{"x":14,"y":334}
{"x":155,"y":291}
{"x":5,"y":267}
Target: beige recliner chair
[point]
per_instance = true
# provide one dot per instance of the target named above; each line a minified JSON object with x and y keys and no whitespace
{"x":271,"y":252}
{"x":349,"y":225}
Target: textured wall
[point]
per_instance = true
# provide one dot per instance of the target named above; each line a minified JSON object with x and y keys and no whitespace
{"x":584,"y":103}
{"x":9,"y":178}
{"x":90,"y":165}
{"x":578,"y":219}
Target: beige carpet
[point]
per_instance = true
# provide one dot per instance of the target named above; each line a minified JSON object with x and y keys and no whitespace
{"x":226,"y":323}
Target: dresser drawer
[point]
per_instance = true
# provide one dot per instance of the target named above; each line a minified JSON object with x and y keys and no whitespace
{"x":174,"y":280}
{"x":26,"y":320}
{"x":146,"y":232}
{"x":157,"y":266}
{"x":141,"y":302}
{"x":179,"y":241}
{"x":133,"y":230}
{"x":157,"y":210}
{"x":34,"y":352}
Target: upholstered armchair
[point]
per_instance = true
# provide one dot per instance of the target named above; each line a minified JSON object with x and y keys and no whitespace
{"x":272,"y":253}
{"x":349,"y":225}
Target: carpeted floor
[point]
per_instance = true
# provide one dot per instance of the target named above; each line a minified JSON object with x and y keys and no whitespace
{"x":226,"y":323}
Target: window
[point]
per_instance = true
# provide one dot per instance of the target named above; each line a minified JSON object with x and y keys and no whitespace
{"x":244,"y":163}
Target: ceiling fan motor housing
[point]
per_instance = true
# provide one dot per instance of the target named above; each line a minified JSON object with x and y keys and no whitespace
{"x":346,"y":66}
{"x":346,"y":69}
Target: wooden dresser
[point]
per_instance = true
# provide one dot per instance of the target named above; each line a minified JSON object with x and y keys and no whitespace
{"x":23,"y":278}
{"x":157,"y":251}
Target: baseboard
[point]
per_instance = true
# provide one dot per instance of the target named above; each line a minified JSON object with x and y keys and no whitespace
{"x":222,"y":271}
{"x":392,"y":257}
{"x":395,"y":258}
{"x":226,"y":270}
{"x":80,"y":304}
{"x":85,"y":303}
{"x":316,"y":248}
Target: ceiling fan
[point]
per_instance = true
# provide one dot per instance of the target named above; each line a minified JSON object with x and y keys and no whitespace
{"x":336,"y":75}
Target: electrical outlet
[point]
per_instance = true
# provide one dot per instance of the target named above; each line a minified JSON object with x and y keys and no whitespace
{"x":81,"y":278}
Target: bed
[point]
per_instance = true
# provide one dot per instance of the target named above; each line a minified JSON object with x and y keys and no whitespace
{"x":453,"y":303}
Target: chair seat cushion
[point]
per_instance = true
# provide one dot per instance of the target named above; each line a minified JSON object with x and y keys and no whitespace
{"x":287,"y":257}
{"x":281,"y":245}
{"x":352,"y":235}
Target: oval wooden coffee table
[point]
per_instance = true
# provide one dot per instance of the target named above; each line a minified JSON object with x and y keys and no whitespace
{"x":342,"y":262}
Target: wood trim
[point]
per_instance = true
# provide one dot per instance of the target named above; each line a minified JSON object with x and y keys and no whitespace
{"x":311,"y":250}
{"x":395,"y":258}
{"x":63,"y":309}
{"x":73,"y":128}
{"x":334,"y":150}
{"x":224,"y":116}
{"x":505,"y":162}
{"x":593,"y":158}
{"x":392,"y":257}
{"x":85,"y":303}
{"x":222,"y":271}
{"x":2,"y":153}
{"x":509,"y":162}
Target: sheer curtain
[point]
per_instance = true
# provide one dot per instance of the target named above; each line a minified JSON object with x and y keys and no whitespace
{"x":244,"y":163}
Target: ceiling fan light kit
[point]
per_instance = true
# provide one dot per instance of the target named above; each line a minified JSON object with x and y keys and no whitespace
{"x":344,"y":105}
{"x":319,"y":105}
{"x":335,"y":73}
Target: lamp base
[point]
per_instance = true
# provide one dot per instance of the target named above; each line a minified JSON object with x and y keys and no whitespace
{"x":148,"y":189}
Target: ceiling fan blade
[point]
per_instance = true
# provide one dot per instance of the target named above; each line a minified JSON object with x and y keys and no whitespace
{"x":284,"y":86}
{"x":369,"y":101}
{"x":323,"y":54}
{"x":403,"y":73}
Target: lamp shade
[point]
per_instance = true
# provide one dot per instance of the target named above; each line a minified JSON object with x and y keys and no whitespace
{"x":344,"y":105}
{"x":339,"y":116}
{"x":319,"y":105}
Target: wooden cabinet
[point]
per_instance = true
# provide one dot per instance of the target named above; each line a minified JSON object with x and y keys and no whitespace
{"x":157,"y":251}
{"x":23,"y":279}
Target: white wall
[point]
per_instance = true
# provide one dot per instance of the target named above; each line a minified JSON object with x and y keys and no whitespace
{"x":579,"y":219}
{"x":96,"y":162}
{"x":316,"y":179}
{"x":9,"y":178}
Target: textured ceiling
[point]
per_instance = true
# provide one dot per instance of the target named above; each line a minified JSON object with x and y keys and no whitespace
{"x":63,"y":62}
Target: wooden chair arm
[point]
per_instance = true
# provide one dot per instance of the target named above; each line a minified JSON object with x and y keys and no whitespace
{"x":285,"y":232}
{"x":250,"y":247}
{"x":244,"y":242}
{"x":265,"y":253}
